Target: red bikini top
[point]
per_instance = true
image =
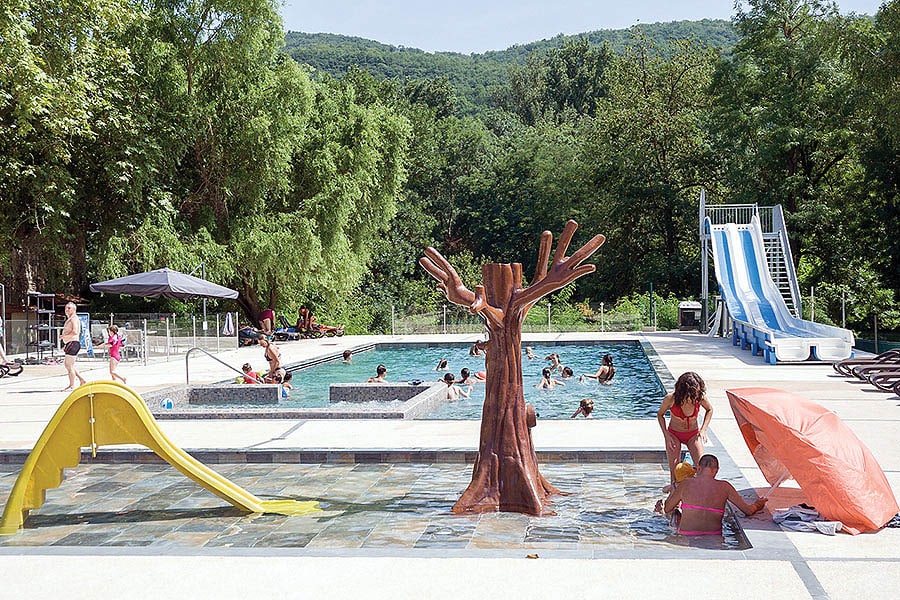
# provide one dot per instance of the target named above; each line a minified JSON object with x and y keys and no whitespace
{"x":678,"y":411}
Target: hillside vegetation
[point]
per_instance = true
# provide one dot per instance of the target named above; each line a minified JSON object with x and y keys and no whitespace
{"x":477,"y":77}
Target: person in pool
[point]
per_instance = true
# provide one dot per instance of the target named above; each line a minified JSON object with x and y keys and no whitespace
{"x":442,"y":365}
{"x":702,"y":499}
{"x":250,"y":376}
{"x":585,"y":407}
{"x":684,"y":425}
{"x":467,"y":379}
{"x":605,"y":373}
{"x":555,"y":364}
{"x":380,"y":372}
{"x":271,"y":353}
{"x":348,"y":355}
{"x":453,"y":392}
{"x":547,"y":382}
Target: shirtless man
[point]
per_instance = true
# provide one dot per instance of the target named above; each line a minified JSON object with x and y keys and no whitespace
{"x":71,"y":334}
{"x":703,"y":497}
{"x":380,"y":372}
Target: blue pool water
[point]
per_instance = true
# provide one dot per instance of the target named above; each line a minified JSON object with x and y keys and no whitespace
{"x":634,"y":393}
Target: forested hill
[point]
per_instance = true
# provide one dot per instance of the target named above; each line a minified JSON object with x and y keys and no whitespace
{"x":475,"y":75}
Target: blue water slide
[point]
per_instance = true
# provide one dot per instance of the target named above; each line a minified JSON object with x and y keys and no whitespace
{"x":762,"y":321}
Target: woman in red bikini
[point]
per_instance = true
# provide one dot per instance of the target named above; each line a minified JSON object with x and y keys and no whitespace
{"x":684,"y":426}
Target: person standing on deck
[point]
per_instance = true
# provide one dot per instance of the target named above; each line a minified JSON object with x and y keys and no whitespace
{"x":71,"y":336}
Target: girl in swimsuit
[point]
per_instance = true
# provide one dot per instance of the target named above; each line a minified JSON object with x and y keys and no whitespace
{"x":605,"y":373}
{"x":114,"y":343}
{"x":684,"y":428}
{"x":547,"y":382}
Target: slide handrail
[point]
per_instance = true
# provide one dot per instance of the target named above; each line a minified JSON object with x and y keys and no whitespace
{"x":187,"y":375}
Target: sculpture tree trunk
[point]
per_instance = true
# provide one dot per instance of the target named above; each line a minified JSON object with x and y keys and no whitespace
{"x":506,"y":475}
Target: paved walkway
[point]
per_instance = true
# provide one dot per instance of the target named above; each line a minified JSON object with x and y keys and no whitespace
{"x":780,"y":565}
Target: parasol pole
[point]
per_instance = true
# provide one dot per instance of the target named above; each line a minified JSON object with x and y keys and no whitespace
{"x":784,"y":477}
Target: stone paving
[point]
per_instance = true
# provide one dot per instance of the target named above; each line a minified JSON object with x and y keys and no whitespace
{"x":367,"y":506}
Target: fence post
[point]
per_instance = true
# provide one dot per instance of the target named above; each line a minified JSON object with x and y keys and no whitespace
{"x":217,"y":332}
{"x":392,"y":319}
{"x":168,"y":341}
{"x":144,"y":343}
{"x":194,"y":321}
{"x":844,"y":308}
{"x":875,"y":326}
{"x":445,"y":319}
{"x":548,"y":317}
{"x":602,"y":328}
{"x":812,"y":303}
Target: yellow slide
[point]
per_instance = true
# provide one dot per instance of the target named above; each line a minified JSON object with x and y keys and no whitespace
{"x":106,"y":413}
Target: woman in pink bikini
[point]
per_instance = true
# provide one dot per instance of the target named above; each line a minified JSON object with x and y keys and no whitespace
{"x":703,"y":498}
{"x":684,"y":426}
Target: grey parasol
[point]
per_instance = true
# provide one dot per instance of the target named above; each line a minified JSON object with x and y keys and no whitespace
{"x":164,"y":283}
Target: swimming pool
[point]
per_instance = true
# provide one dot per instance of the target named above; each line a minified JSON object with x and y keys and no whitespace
{"x":634,"y":393}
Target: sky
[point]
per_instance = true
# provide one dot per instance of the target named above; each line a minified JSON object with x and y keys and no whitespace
{"x":477,"y":26}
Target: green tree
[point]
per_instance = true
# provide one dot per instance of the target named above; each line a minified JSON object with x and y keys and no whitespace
{"x":563,"y":81}
{"x":784,"y":110}
{"x":72,"y":136}
{"x":649,"y":152}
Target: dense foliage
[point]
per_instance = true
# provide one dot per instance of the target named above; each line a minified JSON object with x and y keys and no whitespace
{"x":136,"y":134}
{"x":477,"y":78}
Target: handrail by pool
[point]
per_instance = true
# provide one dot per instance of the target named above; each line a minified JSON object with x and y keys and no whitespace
{"x":187,"y":355}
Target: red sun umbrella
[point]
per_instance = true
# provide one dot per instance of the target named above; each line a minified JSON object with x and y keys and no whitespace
{"x":788,"y":433}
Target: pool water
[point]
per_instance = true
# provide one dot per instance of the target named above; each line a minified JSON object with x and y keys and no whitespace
{"x":401,"y":507}
{"x":634,"y":393}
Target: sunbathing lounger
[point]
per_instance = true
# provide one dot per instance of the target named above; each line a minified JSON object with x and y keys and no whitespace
{"x":844,"y":366}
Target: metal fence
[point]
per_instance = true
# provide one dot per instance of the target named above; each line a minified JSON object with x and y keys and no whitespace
{"x":451,"y":318}
{"x":148,"y":336}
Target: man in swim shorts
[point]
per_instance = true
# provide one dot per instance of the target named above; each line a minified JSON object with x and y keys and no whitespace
{"x":703,"y":498}
{"x":71,"y":334}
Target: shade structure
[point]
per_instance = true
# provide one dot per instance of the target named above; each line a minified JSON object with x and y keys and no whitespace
{"x":836,"y":471}
{"x":164,"y":283}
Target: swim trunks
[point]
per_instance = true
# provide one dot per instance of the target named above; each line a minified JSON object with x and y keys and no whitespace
{"x":72,"y":348}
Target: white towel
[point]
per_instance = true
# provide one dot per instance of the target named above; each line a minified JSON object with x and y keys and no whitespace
{"x":228,"y":328}
{"x":797,"y":518}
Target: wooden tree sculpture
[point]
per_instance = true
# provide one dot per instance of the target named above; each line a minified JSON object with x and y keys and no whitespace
{"x":506,"y":475}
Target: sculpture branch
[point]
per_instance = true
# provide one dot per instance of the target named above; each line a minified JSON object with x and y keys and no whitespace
{"x":449,"y":281}
{"x":540,"y":270}
{"x":563,"y":271}
{"x":493,"y":315}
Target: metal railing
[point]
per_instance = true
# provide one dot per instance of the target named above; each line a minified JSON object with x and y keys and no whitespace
{"x":148,"y":336}
{"x":449,"y":318}
{"x":187,"y":374}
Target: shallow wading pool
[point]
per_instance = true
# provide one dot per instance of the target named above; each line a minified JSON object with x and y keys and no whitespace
{"x":397,"y":507}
